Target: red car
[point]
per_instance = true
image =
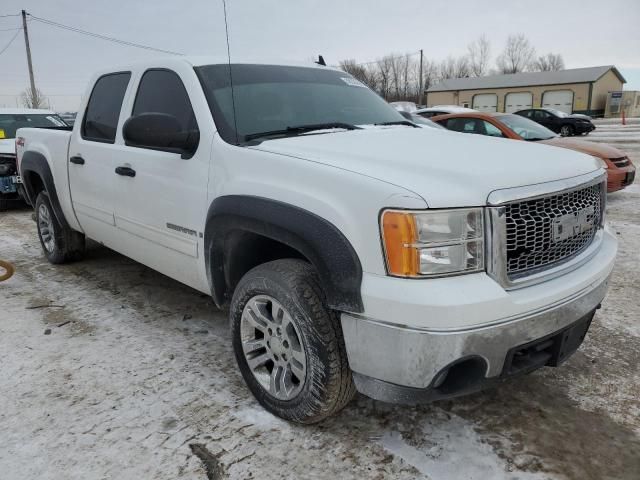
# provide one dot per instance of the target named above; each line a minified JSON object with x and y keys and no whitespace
{"x":620,"y":171}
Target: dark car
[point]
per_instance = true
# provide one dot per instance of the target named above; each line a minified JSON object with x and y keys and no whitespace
{"x":560,"y":122}
{"x":419,"y":120}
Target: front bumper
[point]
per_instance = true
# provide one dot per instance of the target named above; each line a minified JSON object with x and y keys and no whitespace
{"x":584,"y":127}
{"x":393,"y":358}
{"x":619,"y":178}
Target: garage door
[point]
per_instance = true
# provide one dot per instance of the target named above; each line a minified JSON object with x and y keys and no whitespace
{"x":559,"y":99}
{"x":518,"y":101}
{"x":486,"y":102}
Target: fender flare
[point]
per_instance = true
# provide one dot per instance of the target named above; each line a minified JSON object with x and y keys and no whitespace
{"x":36,"y":163}
{"x":318,"y":240}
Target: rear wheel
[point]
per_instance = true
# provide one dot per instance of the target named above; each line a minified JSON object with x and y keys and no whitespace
{"x":289,"y":344}
{"x":59,"y":244}
{"x":566,"y":130}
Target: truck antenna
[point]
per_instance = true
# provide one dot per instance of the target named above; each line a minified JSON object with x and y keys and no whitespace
{"x":233,"y":99}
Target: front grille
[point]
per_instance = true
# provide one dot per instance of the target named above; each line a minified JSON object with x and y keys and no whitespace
{"x":539,"y":237}
{"x":620,"y":161}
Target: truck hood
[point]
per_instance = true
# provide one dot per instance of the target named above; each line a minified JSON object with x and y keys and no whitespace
{"x":447,"y":169}
{"x":8,"y":145}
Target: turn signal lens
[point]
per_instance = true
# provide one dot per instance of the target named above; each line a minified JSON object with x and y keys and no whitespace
{"x":399,"y":232}
{"x":436,"y":243}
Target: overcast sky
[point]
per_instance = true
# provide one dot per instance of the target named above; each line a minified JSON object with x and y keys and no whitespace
{"x":585,"y":32}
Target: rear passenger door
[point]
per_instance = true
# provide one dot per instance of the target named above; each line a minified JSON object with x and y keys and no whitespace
{"x":545,"y":119}
{"x":93,"y":152}
{"x":161,"y":208}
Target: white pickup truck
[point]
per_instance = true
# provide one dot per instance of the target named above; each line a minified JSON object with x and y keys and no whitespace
{"x":353,"y":249}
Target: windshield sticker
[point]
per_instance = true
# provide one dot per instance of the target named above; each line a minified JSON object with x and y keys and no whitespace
{"x":2,"y":135}
{"x":353,"y":82}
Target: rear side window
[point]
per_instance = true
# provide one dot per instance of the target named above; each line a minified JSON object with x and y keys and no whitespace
{"x":162,"y":91}
{"x":464,"y":125}
{"x":103,"y":110}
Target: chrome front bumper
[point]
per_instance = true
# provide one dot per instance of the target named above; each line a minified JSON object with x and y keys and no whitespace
{"x":389,"y":359}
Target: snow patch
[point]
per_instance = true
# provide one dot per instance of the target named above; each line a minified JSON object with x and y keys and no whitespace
{"x":459,"y":453}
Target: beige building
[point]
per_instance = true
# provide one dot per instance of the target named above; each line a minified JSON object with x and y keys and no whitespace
{"x":578,"y":90}
{"x":628,"y":101}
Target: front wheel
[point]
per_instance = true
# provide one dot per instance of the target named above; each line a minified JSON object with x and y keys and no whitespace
{"x":566,"y":130}
{"x":289,"y":344}
{"x":60,"y":244}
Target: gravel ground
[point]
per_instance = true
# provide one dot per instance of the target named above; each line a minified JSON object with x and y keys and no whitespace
{"x":110,"y":370}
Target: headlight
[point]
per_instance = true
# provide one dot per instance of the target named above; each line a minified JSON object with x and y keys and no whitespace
{"x":435,"y":243}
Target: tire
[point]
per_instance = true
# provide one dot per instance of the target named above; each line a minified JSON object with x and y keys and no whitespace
{"x":566,"y":131}
{"x":289,"y":292}
{"x":59,"y":244}
{"x":4,"y":204}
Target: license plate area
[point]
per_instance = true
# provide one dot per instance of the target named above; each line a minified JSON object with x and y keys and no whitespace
{"x":548,"y":351}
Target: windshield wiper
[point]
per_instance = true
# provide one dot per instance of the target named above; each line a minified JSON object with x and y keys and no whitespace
{"x":399,"y":122}
{"x":299,"y":129}
{"x":537,"y":139}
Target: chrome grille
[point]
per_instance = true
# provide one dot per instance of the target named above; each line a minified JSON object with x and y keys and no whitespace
{"x":532,"y":240}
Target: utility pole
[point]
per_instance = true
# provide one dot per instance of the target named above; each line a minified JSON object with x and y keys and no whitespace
{"x":420,"y":94}
{"x":26,"y":42}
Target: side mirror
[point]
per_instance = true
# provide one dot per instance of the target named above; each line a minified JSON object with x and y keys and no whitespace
{"x":160,"y":131}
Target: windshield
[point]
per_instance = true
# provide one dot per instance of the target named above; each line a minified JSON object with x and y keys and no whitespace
{"x":527,"y":129}
{"x":10,"y":122}
{"x":273,"y":98}
{"x":558,"y":113}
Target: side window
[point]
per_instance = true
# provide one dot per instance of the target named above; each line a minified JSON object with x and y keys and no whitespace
{"x":464,"y":125}
{"x":162,"y":91}
{"x":100,"y":121}
{"x":540,"y":115}
{"x":492,"y":130}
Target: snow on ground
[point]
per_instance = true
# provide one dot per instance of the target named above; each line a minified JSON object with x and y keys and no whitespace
{"x":110,"y":370}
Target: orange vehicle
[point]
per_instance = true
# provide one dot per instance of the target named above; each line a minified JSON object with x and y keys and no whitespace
{"x":620,"y":170}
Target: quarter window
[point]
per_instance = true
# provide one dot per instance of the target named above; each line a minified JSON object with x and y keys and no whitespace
{"x":492,"y":130}
{"x":103,"y":110}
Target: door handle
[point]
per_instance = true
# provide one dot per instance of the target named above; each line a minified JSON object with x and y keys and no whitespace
{"x":126,"y":171}
{"x":78,"y":160}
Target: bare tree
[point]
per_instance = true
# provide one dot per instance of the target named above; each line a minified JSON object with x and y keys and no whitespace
{"x":517,"y":56}
{"x":452,"y":67}
{"x":479,"y":54}
{"x":429,"y":73}
{"x":357,"y":71}
{"x":551,"y":62}
{"x":33,"y":99}
{"x":384,"y":76}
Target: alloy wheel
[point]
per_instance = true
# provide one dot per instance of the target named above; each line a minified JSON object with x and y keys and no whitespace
{"x":46,"y":228}
{"x":272,"y":347}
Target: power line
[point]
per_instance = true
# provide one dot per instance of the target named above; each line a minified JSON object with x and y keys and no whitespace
{"x":10,"y":41}
{"x":405,"y":55}
{"x":10,"y":15}
{"x":102,"y":37}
